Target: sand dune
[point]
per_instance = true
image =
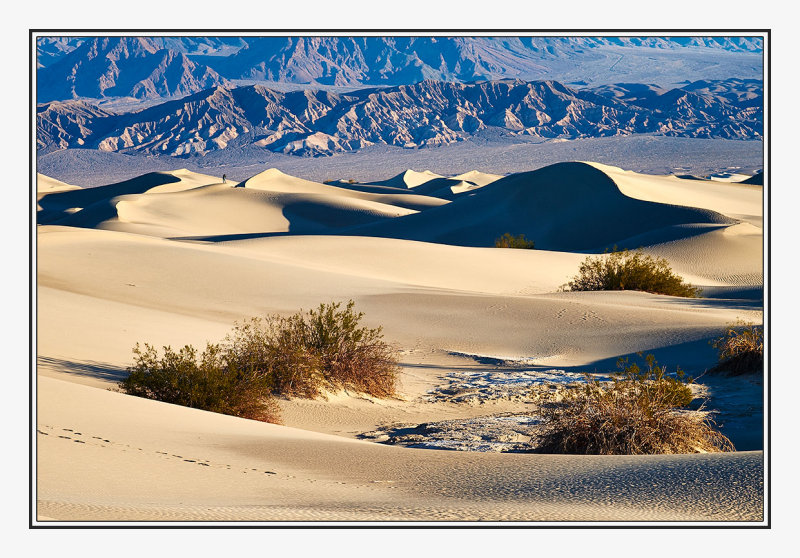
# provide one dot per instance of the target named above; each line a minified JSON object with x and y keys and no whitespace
{"x":235,"y":469}
{"x":431,"y":184}
{"x":59,"y":204}
{"x":554,"y":206}
{"x":739,"y":201}
{"x":427,"y":297}
{"x":477,"y":177}
{"x":219,"y":209}
{"x":427,"y":184}
{"x":181,"y":204}
{"x":731,"y":256}
{"x":409,"y":179}
{"x":46,"y":185}
{"x":273,"y":180}
{"x":177,"y":258}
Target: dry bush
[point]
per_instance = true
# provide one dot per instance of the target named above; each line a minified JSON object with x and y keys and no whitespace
{"x":322,"y":349}
{"x":509,"y":241}
{"x":351,"y":356}
{"x":625,"y":270}
{"x":301,"y":355}
{"x":211,"y":383}
{"x":639,"y":412}
{"x":741,"y":349}
{"x":275,"y":348}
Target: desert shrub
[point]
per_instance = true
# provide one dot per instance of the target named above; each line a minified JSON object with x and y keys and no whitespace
{"x":326,"y":348}
{"x":351,"y":356}
{"x":276,"y":349}
{"x":299,"y":355}
{"x":509,"y":241}
{"x":630,"y":270}
{"x":741,"y":349}
{"x":210,"y":382}
{"x":641,"y":411}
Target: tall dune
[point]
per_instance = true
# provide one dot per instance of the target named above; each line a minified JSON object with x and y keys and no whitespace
{"x":567,"y":206}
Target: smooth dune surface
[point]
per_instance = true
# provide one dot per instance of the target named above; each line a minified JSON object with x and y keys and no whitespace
{"x":177,"y":258}
{"x":46,"y":184}
{"x":556,"y":206}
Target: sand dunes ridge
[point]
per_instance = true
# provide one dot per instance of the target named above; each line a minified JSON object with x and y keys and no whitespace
{"x":555,"y":206}
{"x":568,"y":206}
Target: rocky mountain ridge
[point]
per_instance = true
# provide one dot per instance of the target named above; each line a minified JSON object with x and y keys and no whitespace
{"x":429,"y":113}
{"x":100,"y":67}
{"x":136,"y":67}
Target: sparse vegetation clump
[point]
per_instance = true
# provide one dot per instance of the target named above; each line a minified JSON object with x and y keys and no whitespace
{"x":510,"y":241}
{"x":300,"y":355}
{"x":211,"y":382}
{"x":322,"y":349}
{"x":741,"y":349}
{"x":641,"y":411}
{"x":621,"y":270}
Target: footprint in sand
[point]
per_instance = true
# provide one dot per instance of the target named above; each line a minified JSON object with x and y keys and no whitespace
{"x":204,"y":462}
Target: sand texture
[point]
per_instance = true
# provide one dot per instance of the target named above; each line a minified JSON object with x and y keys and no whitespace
{"x":175,"y":258}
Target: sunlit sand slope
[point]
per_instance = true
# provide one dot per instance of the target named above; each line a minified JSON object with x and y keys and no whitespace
{"x":135,"y":459}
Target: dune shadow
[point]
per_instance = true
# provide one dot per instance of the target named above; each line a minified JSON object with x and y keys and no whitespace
{"x":744,"y":299}
{"x":228,"y":237}
{"x":55,"y":205}
{"x":693,"y":357}
{"x":749,"y":295}
{"x":479,"y":366}
{"x":86,"y":368}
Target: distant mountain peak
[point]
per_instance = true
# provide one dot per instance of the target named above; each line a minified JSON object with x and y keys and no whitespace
{"x":123,"y":67}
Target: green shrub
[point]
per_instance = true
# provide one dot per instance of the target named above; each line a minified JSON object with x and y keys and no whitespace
{"x":212,"y":382}
{"x":741,"y":349}
{"x":509,"y":241}
{"x":621,"y":270}
{"x":641,"y":411}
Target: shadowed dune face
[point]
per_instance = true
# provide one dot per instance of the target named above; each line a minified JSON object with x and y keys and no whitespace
{"x":169,"y":205}
{"x":273,"y":180}
{"x":567,"y":206}
{"x":60,"y":204}
{"x":408,"y":179}
{"x":431,"y":184}
{"x":246,"y":211}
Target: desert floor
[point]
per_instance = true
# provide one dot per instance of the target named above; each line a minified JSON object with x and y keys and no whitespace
{"x":175,"y":258}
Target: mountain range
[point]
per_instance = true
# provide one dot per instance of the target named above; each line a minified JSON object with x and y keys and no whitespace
{"x":122,"y":67}
{"x":154,"y":67}
{"x":319,"y":122}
